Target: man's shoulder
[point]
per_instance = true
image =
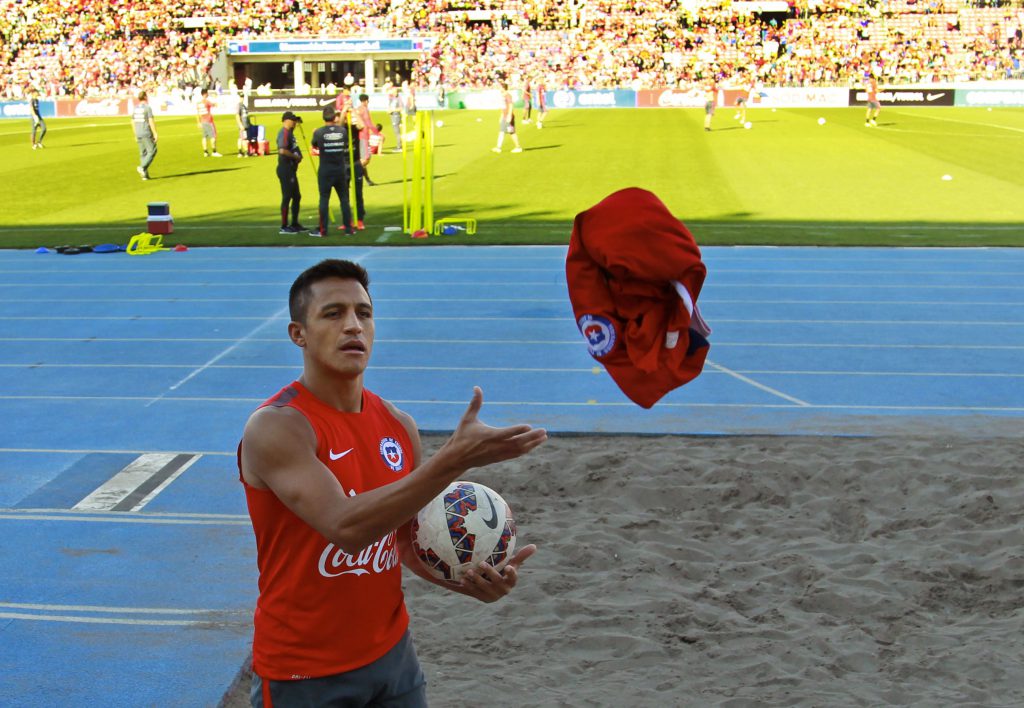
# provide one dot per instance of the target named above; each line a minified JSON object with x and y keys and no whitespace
{"x":401,"y":416}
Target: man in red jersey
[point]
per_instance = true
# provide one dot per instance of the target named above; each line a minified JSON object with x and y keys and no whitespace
{"x":332,"y":475}
{"x":208,"y":129}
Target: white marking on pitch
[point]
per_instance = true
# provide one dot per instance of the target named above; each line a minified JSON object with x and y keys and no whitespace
{"x":962,"y":122}
{"x":135,"y":474}
{"x":755,"y":384}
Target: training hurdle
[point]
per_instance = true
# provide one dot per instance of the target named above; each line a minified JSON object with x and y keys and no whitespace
{"x":146,"y":243}
{"x":468,"y":224}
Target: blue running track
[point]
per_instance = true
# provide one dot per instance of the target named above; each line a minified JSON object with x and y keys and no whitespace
{"x":128,"y":563}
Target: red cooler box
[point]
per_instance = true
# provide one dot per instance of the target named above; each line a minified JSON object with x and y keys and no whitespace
{"x":159,"y":220}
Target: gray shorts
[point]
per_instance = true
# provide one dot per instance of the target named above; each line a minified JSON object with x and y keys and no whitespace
{"x":393,"y":681}
{"x":209,"y":130}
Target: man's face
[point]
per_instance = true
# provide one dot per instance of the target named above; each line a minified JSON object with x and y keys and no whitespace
{"x":338,"y":332}
{"x":289,"y":124}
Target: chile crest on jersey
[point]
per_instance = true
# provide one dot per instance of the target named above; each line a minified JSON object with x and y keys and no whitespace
{"x":392,"y":454}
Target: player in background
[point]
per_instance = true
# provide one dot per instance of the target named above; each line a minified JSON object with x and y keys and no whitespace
{"x":207,"y":128}
{"x":376,"y":145}
{"x":710,"y":99}
{"x":408,"y":101}
{"x":542,"y":105}
{"x":369,"y":129}
{"x":242,"y":118}
{"x":747,"y":88}
{"x":874,"y":107}
{"x":288,"y":158}
{"x":38,"y":124}
{"x":332,"y":141}
{"x":366,"y":133}
{"x":395,"y":109}
{"x":527,"y":101}
{"x":360,"y":156}
{"x":333,"y":475}
{"x":507,"y":121}
{"x":343,"y":101}
{"x":144,"y":128}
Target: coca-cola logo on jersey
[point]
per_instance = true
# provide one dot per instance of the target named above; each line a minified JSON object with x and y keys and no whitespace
{"x":378,"y":557}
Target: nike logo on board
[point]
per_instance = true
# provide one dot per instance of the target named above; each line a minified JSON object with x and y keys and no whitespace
{"x":338,"y":456}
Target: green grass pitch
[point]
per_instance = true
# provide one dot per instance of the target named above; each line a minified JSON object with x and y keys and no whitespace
{"x":787,"y":180}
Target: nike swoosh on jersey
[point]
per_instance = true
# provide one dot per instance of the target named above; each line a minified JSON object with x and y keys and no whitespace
{"x":492,"y":523}
{"x":340,"y":455}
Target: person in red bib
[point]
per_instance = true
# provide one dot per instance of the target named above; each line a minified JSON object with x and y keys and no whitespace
{"x":333,"y":474}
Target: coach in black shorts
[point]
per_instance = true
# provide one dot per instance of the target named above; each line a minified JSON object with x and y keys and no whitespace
{"x":288,"y":158}
{"x":332,"y":140}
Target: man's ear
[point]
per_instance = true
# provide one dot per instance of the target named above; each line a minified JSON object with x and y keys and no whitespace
{"x":297,"y":333}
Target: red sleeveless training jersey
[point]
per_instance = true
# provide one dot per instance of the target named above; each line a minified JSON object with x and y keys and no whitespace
{"x":320,"y":610}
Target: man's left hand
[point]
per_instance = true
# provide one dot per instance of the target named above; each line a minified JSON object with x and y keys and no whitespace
{"x":489,"y":585}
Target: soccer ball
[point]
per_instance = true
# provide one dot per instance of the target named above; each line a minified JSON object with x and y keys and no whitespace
{"x":464,"y":525}
{"x":440,"y":124}
{"x":748,"y":125}
{"x":821,"y":121}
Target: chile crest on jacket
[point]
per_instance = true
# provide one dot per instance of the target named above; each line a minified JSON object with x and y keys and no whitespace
{"x":599,"y":333}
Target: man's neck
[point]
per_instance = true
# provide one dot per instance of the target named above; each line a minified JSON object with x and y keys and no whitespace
{"x":342,"y":394}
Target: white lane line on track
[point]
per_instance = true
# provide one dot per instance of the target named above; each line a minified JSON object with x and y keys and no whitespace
{"x":946,"y":322}
{"x":515,"y":342}
{"x":560,"y":404}
{"x":747,"y":380}
{"x":249,"y":337}
{"x":90,"y":451}
{"x":523,"y":370}
{"x":82,"y":619}
{"x":109,"y":610}
{"x":122,"y":518}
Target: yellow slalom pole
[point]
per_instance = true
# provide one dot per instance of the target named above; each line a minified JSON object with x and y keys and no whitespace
{"x":417,"y":171}
{"x":351,"y":170}
{"x":428,"y":173}
{"x":406,"y":183}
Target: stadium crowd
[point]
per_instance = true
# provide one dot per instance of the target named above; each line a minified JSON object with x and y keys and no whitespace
{"x":87,"y":48}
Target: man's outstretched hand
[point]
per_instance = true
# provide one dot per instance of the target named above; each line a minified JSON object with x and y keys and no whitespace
{"x":475,"y":444}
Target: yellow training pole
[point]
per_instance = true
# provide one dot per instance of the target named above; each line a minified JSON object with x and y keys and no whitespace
{"x":428,"y":173}
{"x":406,"y":210}
{"x":351,"y":171}
{"x":417,"y":176}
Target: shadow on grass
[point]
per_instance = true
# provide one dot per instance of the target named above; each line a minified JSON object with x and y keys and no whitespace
{"x":518,"y":225}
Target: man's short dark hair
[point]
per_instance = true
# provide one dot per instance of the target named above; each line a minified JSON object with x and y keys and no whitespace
{"x":363,"y":97}
{"x":299,"y":295}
